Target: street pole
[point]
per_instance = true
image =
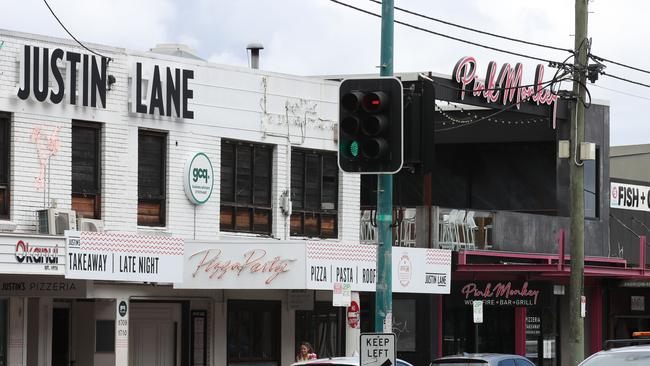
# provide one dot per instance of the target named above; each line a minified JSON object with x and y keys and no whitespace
{"x":576,"y":345}
{"x":384,"y":292}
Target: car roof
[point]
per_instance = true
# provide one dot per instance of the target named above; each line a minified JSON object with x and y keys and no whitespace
{"x":479,"y":356}
{"x":620,"y":350}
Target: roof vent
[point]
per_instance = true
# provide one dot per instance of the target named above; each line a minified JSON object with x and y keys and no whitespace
{"x":175,"y":49}
{"x":255,"y":54}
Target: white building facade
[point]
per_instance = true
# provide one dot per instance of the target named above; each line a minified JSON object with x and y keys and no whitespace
{"x":84,"y":142}
{"x":157,"y":210}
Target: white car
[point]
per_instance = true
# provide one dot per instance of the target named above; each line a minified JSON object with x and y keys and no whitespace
{"x":341,"y":361}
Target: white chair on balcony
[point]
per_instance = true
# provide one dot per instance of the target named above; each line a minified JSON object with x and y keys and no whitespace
{"x":447,"y":232}
{"x":408,"y":228}
{"x":368,"y":233}
{"x":470,"y":230}
{"x":459,"y":230}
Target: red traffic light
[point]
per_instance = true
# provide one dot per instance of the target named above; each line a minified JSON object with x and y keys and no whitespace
{"x":374,"y":102}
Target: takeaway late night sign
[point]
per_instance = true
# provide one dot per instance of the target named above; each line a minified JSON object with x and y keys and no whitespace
{"x":505,"y":87}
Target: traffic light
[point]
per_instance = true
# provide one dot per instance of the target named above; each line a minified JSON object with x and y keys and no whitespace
{"x":371,"y":125}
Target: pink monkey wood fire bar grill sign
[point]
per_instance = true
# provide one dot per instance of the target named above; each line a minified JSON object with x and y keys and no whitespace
{"x":506,"y":87}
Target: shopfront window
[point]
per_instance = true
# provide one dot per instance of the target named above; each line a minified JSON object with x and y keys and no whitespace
{"x":246,"y":171}
{"x":314,"y":193}
{"x":591,"y":187}
{"x":322,"y":328}
{"x":86,"y":190}
{"x":254,"y":333}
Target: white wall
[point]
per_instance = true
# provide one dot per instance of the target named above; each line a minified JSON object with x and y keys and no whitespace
{"x":229,"y":102}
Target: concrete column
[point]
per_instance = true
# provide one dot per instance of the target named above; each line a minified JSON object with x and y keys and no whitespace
{"x":122,"y":331}
{"x":45,"y":306}
{"x":17,"y":325}
{"x":353,"y":326}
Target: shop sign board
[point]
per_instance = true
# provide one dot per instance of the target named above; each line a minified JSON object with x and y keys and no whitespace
{"x":198,"y":179}
{"x":32,"y":254}
{"x":415,"y":270}
{"x":637,"y":303}
{"x":477,"y":307}
{"x":629,"y":196}
{"x":377,"y":349}
{"x":124,"y":256}
{"x":42,"y":286}
{"x":267,"y":264}
{"x":501,"y":293}
{"x":341,"y":294}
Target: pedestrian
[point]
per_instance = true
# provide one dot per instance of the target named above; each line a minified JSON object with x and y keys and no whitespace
{"x":306,"y":352}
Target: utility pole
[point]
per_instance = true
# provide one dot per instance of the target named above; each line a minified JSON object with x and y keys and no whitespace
{"x":576,"y":345}
{"x":384,"y":291}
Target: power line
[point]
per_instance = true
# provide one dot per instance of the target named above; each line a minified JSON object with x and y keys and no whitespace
{"x":447,"y":36}
{"x":598,"y":58}
{"x":621,"y":92}
{"x":478,"y":30}
{"x":624,"y":79}
{"x":73,"y":37}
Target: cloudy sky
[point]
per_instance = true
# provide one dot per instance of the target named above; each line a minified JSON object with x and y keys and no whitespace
{"x":310,"y":37}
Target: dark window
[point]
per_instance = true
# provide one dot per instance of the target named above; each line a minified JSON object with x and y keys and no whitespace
{"x":4,"y":165}
{"x":246,"y":170}
{"x":590,"y":175}
{"x":151,"y":178}
{"x":86,"y":170}
{"x":253,"y":334}
{"x":314,"y":193}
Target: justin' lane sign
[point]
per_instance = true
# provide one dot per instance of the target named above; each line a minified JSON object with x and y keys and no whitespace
{"x":121,"y":256}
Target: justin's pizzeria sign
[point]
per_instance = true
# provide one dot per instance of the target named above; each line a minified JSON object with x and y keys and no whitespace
{"x":121,"y":256}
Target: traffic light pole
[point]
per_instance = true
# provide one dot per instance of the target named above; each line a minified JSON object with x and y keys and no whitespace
{"x":384,"y":292}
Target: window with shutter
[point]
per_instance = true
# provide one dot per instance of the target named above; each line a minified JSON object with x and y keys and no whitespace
{"x":246,"y":171}
{"x":86,"y":169}
{"x":5,"y":125}
{"x":314,"y":193}
{"x":152,"y":160}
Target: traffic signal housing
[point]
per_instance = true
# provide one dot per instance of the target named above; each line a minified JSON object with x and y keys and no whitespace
{"x":371,"y":125}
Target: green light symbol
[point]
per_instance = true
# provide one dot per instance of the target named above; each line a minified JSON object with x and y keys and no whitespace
{"x":354,"y":148}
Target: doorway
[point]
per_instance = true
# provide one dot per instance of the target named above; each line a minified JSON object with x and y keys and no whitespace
{"x":155,"y":334}
{"x":61,"y":336}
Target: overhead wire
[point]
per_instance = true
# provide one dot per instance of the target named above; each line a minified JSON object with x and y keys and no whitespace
{"x":598,"y":58}
{"x":71,"y":35}
{"x":447,"y":36}
{"x":477,"y":30}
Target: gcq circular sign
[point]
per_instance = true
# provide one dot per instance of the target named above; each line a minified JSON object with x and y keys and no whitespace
{"x":198,"y":178}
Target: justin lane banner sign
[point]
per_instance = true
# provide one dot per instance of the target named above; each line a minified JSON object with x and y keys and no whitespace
{"x":415,"y":270}
{"x":268,"y":264}
{"x":629,"y":197}
{"x":122,"y":256}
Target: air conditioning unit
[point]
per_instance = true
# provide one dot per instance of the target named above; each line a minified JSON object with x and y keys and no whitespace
{"x":56,"y":221}
{"x":90,"y":225}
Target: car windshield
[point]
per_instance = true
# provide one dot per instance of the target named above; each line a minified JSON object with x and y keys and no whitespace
{"x":634,"y":358}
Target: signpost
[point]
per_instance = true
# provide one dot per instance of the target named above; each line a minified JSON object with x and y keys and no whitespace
{"x":377,"y":349}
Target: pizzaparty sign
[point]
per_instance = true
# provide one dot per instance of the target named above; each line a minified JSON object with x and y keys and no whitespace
{"x":120,"y":256}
